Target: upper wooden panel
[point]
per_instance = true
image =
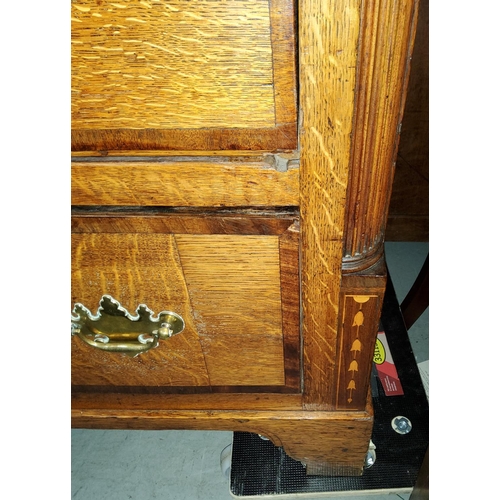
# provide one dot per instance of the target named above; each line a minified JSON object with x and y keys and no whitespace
{"x":158,"y":74}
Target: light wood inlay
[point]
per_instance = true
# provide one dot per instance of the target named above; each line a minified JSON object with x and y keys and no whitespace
{"x":361,"y":301}
{"x":359,"y":320}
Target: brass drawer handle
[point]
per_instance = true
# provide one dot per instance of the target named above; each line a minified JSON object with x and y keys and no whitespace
{"x":114,"y":329}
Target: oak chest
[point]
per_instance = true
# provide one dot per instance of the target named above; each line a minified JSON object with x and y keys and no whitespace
{"x":231,"y":173}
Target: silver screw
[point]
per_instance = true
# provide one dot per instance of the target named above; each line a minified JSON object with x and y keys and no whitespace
{"x":401,"y":425}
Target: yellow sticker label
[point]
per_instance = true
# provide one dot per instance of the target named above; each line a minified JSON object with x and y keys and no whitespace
{"x":379,"y":355}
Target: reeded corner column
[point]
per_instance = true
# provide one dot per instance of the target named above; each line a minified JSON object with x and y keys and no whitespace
{"x":353,"y":68}
{"x":386,"y":41}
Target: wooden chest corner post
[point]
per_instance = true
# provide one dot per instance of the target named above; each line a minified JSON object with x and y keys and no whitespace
{"x":354,"y":66}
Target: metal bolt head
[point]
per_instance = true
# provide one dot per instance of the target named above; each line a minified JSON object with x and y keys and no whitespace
{"x":401,"y":425}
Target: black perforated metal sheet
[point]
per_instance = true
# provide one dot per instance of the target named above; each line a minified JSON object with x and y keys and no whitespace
{"x":259,"y":468}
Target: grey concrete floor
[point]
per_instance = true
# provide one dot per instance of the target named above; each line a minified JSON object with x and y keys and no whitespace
{"x":185,"y":465}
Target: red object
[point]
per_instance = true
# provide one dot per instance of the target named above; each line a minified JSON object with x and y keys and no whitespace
{"x":386,"y":369}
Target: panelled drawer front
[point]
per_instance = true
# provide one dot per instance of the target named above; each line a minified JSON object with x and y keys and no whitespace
{"x":166,"y":74}
{"x":231,"y":290}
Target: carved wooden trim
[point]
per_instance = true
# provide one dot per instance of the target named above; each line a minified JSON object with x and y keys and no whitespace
{"x":386,"y":40}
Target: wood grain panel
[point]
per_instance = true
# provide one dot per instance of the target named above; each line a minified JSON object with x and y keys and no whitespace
{"x":175,"y":64}
{"x":205,"y":75}
{"x":227,"y":288}
{"x":135,"y":269}
{"x":175,"y":183}
{"x":135,"y":142}
{"x":234,"y":286}
{"x":328,"y":41}
{"x":244,"y":360}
